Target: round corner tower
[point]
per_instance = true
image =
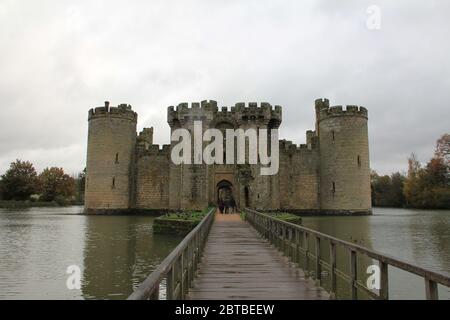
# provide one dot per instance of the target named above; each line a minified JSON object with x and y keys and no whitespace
{"x":344,"y":158}
{"x":110,"y":158}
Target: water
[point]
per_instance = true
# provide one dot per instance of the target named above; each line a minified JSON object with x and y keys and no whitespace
{"x":116,"y":253}
{"x":421,"y":237}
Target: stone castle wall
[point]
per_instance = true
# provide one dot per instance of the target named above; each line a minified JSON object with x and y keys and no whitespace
{"x":329,"y":173}
{"x":111,"y":143}
{"x":152,"y":176}
{"x":344,"y":159}
{"x":299,"y":177}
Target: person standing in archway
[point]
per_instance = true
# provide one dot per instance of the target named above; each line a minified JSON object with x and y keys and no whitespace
{"x":227,"y":206}
{"x":221,"y":206}
{"x":233,"y":206}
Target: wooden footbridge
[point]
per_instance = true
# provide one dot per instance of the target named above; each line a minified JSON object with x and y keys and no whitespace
{"x":261,"y":257}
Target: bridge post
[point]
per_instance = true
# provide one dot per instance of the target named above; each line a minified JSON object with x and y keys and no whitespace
{"x":333,"y":281}
{"x":296,"y":257}
{"x":272,"y":233}
{"x":189,"y":266}
{"x":306,"y":244}
{"x":384,"y":282}
{"x":170,"y":284}
{"x":155,"y":294}
{"x":431,"y":290}
{"x":318,"y":269}
{"x":197,"y":252}
{"x":353,"y":275}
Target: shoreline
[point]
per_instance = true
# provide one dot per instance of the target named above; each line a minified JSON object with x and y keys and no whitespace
{"x":18,"y":204}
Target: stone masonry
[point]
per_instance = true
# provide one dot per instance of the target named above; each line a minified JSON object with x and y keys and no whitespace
{"x":329,"y":174}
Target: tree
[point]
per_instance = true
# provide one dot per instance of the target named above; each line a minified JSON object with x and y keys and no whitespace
{"x":55,"y":183}
{"x":80,"y":182}
{"x":1,"y":189}
{"x":387,"y":191}
{"x":413,"y":165}
{"x":442,"y":152}
{"x":397,"y":185}
{"x":20,"y":181}
{"x":429,"y":187}
{"x":411,"y":188}
{"x":443,"y":149}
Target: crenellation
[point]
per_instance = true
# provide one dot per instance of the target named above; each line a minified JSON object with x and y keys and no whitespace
{"x":154,"y":150}
{"x":290,"y":147}
{"x":336,"y":111}
{"x":145,"y":138}
{"x":183,"y":107}
{"x":352,"y":108}
{"x":121,"y":111}
{"x":209,"y":105}
{"x":207,"y":110}
{"x":322,"y":104}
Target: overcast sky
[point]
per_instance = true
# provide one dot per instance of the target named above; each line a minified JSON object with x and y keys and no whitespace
{"x":59,"y":58}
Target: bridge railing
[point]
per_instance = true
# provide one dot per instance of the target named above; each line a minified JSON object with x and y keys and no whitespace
{"x":179,"y":268}
{"x":303,"y":246}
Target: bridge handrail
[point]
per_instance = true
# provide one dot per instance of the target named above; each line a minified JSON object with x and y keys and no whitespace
{"x":179,"y":267}
{"x":281,"y":234}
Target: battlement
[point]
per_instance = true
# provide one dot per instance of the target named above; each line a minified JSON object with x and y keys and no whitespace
{"x":154,"y":150}
{"x":289,"y":147}
{"x":121,"y":111}
{"x":322,"y":104}
{"x":146,"y":136}
{"x":208,"y":110}
{"x":311,"y":139}
{"x":337,"y":111}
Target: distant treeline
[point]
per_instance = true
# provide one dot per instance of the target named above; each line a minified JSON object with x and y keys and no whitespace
{"x":421,"y":187}
{"x":21,"y":182}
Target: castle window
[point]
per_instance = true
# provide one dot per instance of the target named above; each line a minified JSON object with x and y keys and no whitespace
{"x":113,"y":182}
{"x":117,"y":157}
{"x":359,"y":161}
{"x":332,"y":135}
{"x":333,"y":190}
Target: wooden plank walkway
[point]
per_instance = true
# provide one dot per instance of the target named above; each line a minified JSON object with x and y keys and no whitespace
{"x":238,"y":264}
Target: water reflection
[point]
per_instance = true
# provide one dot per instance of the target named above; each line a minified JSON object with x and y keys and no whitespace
{"x":115,"y":253}
{"x":120,"y":252}
{"x":352,"y":229}
{"x":36,"y":246}
{"x":421,"y":237}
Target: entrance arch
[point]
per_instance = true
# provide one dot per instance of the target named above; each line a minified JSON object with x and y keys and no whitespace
{"x":224,"y":191}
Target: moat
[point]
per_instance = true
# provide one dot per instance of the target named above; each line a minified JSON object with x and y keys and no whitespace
{"x":117,"y":253}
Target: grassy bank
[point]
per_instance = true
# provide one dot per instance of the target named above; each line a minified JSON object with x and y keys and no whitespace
{"x":288,"y":217}
{"x":179,"y":223}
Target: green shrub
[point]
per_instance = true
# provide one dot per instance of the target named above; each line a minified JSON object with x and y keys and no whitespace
{"x":61,"y":200}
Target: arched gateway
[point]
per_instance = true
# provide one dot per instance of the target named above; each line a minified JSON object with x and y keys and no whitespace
{"x":224,"y":191}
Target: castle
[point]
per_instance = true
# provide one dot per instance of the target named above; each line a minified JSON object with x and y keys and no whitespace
{"x":330,"y":174}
